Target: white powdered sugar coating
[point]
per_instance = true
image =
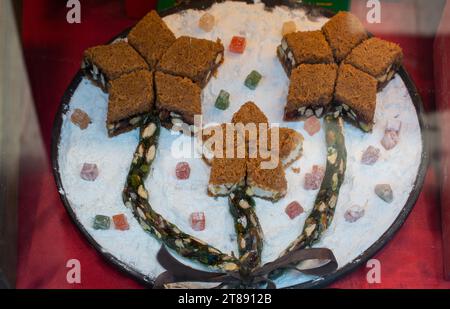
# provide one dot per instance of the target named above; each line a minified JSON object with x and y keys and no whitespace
{"x":177,"y":199}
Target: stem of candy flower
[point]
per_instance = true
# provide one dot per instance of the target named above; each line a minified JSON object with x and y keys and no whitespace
{"x":248,"y":230}
{"x":325,"y":204}
{"x":135,"y":196}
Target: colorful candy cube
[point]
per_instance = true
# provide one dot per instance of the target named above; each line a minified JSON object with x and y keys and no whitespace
{"x":89,"y":172}
{"x":370,"y":155}
{"x":314,"y":179}
{"x":80,"y":119}
{"x":252,"y":80}
{"x":206,"y":22}
{"x":183,"y":170}
{"x":288,"y":27}
{"x":384,"y":191}
{"x":101,"y":222}
{"x":238,"y":44}
{"x":198,"y":221}
{"x":120,"y":222}
{"x":354,"y":213}
{"x":390,"y":140}
{"x":312,"y":125}
{"x":223,"y":100}
{"x":294,"y":209}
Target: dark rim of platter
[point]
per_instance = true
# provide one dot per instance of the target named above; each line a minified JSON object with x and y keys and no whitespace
{"x":317,"y":283}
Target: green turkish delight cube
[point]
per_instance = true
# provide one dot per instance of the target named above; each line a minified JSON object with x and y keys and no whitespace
{"x":101,"y":222}
{"x":252,"y":80}
{"x":223,"y":100}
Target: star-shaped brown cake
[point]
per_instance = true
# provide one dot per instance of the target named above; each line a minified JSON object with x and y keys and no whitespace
{"x":241,"y":154}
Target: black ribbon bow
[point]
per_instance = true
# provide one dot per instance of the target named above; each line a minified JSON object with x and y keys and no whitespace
{"x":178,"y":272}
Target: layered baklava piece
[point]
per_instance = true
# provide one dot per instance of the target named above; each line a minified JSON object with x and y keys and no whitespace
{"x":226,"y":175}
{"x":151,"y":38}
{"x":266,"y":176}
{"x":379,"y":58}
{"x":290,"y":146}
{"x":355,"y":96}
{"x":178,"y":100}
{"x":105,"y":63}
{"x":343,"y":32}
{"x":249,"y":113}
{"x":249,"y":119}
{"x":267,"y":182}
{"x":223,"y":141}
{"x":303,"y":47}
{"x":131,"y":97}
{"x":310,"y":91}
{"x":196,"y":59}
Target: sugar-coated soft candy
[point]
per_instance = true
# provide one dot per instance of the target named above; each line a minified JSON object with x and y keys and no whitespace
{"x":370,"y":155}
{"x":252,"y":80}
{"x":288,"y":27}
{"x":101,"y":222}
{"x":223,"y":100}
{"x":384,"y":191}
{"x":120,"y":222}
{"x":312,"y":125}
{"x":390,"y":140}
{"x":314,"y":179}
{"x":294,"y":209}
{"x":80,"y":119}
{"x":207,"y":22}
{"x":354,"y":213}
{"x":198,"y":221}
{"x":183,"y":170}
{"x":238,"y":44}
{"x":89,"y":172}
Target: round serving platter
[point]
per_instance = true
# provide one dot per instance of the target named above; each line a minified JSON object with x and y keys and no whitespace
{"x":324,"y":281}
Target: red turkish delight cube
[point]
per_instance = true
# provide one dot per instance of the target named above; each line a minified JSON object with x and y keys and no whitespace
{"x":314,"y":179}
{"x":294,"y":209}
{"x":238,"y":44}
{"x":120,"y":222}
{"x":198,"y":221}
{"x":183,"y":170}
{"x":312,"y":125}
{"x":89,"y":172}
{"x":370,"y":155}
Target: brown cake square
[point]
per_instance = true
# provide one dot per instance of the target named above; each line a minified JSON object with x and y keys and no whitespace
{"x":197,"y":59}
{"x":178,"y":99}
{"x":356,"y":93}
{"x":248,"y":120}
{"x":226,"y":175}
{"x":303,"y":47}
{"x":151,"y":38}
{"x":270,"y":184}
{"x":290,"y":146}
{"x":108,"y":62}
{"x":310,"y":91}
{"x":130,"y":98}
{"x":343,"y":32}
{"x":227,"y":137}
{"x":377,"y":57}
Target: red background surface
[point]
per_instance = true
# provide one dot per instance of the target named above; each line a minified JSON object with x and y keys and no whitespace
{"x":47,"y":237}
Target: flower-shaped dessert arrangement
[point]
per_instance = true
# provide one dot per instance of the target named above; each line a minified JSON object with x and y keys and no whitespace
{"x":155,"y":80}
